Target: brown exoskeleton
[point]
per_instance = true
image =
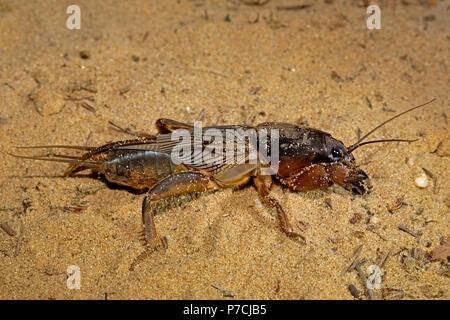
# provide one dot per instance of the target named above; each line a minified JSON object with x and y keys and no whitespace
{"x":309,"y":159}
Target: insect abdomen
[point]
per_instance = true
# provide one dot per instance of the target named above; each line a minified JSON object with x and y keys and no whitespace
{"x":137,"y":168}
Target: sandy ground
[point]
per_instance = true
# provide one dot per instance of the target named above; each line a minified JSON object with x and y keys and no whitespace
{"x":134,"y":62}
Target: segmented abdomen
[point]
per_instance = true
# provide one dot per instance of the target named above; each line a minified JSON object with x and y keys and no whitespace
{"x":137,"y":168}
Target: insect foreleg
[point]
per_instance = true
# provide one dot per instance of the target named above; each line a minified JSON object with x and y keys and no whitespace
{"x":313,"y":177}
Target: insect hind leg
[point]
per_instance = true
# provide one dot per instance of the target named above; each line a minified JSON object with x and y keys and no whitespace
{"x":176,"y":184}
{"x":168,"y":126}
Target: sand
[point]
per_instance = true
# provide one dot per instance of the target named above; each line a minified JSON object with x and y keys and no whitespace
{"x":138,"y":61}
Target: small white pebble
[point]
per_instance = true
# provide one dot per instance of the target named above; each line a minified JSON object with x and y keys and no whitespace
{"x":374,"y":219}
{"x":410,"y":162}
{"x":422,"y":181}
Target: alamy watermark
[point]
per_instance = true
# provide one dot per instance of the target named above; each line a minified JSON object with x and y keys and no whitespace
{"x":74,"y":20}
{"x":374,"y":20}
{"x":218,"y":147}
{"x":374,"y":278}
{"x":73,"y":277}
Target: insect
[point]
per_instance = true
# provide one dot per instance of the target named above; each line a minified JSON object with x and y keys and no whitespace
{"x":309,"y":159}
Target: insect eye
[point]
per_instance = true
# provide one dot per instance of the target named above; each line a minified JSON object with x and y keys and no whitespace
{"x":335,"y":153}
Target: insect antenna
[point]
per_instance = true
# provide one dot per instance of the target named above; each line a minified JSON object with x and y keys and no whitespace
{"x":59,"y":158}
{"x":359,"y":143}
{"x":57,"y":146}
{"x":354,"y":147}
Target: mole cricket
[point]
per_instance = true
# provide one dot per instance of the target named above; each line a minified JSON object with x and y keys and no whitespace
{"x":308,"y":159}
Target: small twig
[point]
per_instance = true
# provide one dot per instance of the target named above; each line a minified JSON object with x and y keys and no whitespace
{"x":88,"y":89}
{"x":9,"y":86}
{"x":255,"y":91}
{"x":19,"y":240}
{"x":387,"y":109}
{"x":297,"y":7}
{"x":369,"y":103}
{"x":428,"y":173}
{"x":355,"y":256}
{"x":356,"y":263}
{"x":126,"y":130}
{"x":434,"y":178}
{"x":90,"y":190}
{"x":225,"y":293}
{"x":409,"y":231}
{"x":436,"y":185}
{"x":254,"y":2}
{"x":7,"y":228}
{"x":328,"y":203}
{"x":383,"y":259}
{"x":165,"y":243}
{"x":90,"y":98}
{"x":210,"y":71}
{"x":201,"y":115}
{"x":89,"y":139}
{"x":393,"y":293}
{"x":364,"y":280}
{"x":124,"y":90}
{"x":430,"y":221}
{"x":354,"y":292}
{"x":358,"y":133}
{"x":88,"y":107}
{"x":73,"y":208}
{"x":7,"y":209}
{"x":371,"y":228}
{"x":400,"y":251}
{"x":216,"y":287}
{"x":439,"y":145}
{"x":278,"y":286}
